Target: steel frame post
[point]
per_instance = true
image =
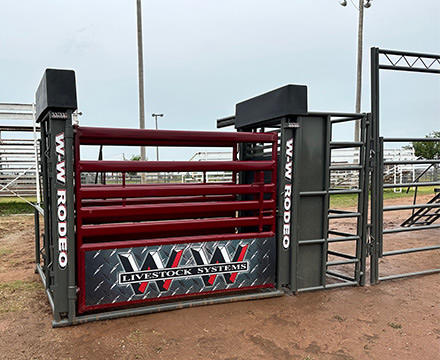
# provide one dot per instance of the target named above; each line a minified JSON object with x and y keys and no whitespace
{"x":37,"y":237}
{"x":375,"y":178}
{"x":284,"y":251}
{"x":47,"y":256}
{"x":56,"y":101}
{"x":365,"y":180}
{"x":325,"y":210}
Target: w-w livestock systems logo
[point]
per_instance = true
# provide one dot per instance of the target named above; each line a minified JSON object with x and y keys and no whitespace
{"x":123,"y":275}
{"x":152,"y":268}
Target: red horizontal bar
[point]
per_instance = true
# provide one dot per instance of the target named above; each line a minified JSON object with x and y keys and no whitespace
{"x":155,"y":200}
{"x":179,"y":225}
{"x":153,"y":184}
{"x":122,"y":213}
{"x":156,"y":217}
{"x":111,"y":191}
{"x":176,"y":240}
{"x":118,"y":136}
{"x":129,"y":166}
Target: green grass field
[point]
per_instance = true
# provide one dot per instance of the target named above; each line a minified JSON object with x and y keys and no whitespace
{"x":14,"y":205}
{"x":346,"y":200}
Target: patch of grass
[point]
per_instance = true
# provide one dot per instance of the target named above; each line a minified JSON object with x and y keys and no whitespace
{"x":20,"y":285}
{"x":15,"y":296}
{"x":343,"y":200}
{"x":337,"y":317}
{"x":9,"y":206}
{"x":5,"y":251}
{"x":348,"y":200}
{"x":395,"y":326}
{"x":16,"y":199}
{"x":135,"y":336}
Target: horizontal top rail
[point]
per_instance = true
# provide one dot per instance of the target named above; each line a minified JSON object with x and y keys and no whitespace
{"x":347,"y":167}
{"x":408,"y":68}
{"x":415,"y":162}
{"x":417,"y":184}
{"x":117,"y":136}
{"x":15,"y":107}
{"x":346,"y":144}
{"x":226,"y":121}
{"x":410,"y":140}
{"x":18,"y":128}
{"x":408,"y":53}
{"x":335,"y":114}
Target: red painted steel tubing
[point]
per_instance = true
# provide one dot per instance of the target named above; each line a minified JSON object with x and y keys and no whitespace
{"x":155,"y":200}
{"x":211,"y":207}
{"x":117,"y":136}
{"x":135,"y":166}
{"x":171,"y":190}
{"x":116,"y":212}
{"x":173,"y":240}
{"x":180,"y":225}
{"x":156,"y":217}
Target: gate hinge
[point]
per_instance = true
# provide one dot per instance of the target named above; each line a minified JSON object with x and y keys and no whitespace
{"x":372,"y":158}
{"x":369,"y":248}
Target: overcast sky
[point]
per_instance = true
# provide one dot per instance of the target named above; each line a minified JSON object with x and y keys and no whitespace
{"x":201,"y":57}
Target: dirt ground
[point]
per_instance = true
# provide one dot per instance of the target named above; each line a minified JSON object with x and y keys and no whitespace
{"x":397,"y":319}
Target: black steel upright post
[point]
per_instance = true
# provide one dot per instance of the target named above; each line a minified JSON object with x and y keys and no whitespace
{"x":285,"y":205}
{"x":364,"y":183}
{"x":55,"y":103}
{"x":280,"y":107}
{"x":47,"y":230}
{"x":376,"y":164}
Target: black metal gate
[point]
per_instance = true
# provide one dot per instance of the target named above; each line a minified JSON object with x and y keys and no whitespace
{"x":424,"y":216}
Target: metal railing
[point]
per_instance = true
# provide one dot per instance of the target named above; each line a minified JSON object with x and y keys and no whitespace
{"x":401,"y":61}
{"x":19,"y":149}
{"x":340,"y":260}
{"x":131,"y":215}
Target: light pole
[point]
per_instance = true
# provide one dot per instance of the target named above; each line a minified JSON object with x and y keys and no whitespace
{"x":141,"y":79}
{"x":362,"y":4}
{"x":157,"y":147}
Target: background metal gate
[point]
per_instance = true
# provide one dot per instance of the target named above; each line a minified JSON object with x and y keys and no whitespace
{"x":424,"y":216}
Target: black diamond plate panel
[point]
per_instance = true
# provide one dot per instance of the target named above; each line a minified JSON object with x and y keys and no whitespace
{"x":103,"y":269}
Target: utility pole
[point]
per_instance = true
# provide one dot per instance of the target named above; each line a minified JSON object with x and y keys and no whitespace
{"x":357,"y":127}
{"x":141,"y":80}
{"x":360,"y":9}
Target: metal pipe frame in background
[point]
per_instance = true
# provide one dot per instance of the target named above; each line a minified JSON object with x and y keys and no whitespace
{"x":382,"y":59}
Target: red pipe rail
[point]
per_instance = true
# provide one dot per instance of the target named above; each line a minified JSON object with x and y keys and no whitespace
{"x":112,"y":136}
{"x":111,"y":216}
